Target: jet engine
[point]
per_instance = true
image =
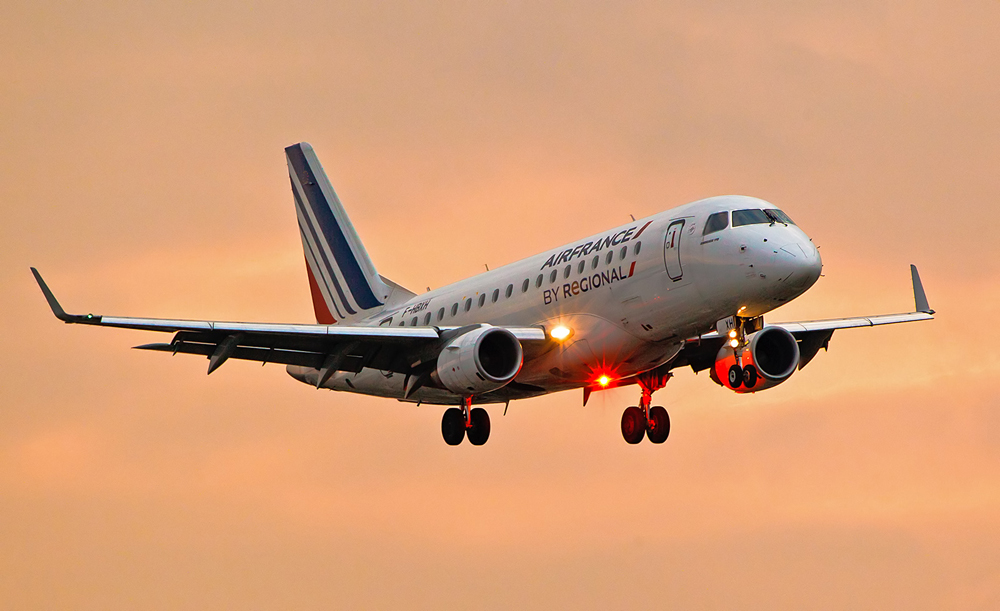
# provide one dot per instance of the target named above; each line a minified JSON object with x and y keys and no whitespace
{"x":770,"y":357}
{"x":479,"y":361}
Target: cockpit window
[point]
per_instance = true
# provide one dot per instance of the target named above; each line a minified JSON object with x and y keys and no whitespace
{"x":749,"y":217}
{"x":716,"y":222}
{"x":779,"y":216}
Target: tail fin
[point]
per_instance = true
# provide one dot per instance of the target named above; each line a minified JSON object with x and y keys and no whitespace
{"x":342,"y":278}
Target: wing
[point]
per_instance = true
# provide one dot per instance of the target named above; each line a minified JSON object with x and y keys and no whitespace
{"x":699,"y":352}
{"x":326,"y":347}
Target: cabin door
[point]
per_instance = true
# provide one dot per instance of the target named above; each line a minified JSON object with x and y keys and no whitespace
{"x":672,"y":250}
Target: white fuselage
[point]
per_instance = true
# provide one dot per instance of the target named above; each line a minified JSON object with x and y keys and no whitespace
{"x":630,"y":295}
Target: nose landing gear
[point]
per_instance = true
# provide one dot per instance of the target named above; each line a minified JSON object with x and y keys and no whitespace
{"x":457,"y":423}
{"x":646,"y":419}
{"x":741,"y":374}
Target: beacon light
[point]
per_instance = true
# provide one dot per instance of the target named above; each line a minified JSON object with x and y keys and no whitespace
{"x":560,"y":332}
{"x":604,"y":380}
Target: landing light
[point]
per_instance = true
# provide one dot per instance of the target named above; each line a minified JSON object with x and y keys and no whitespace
{"x":732,"y":334}
{"x":734,"y":343}
{"x":560,"y":332}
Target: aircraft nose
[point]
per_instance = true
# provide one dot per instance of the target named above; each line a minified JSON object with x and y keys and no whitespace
{"x":802,"y":263}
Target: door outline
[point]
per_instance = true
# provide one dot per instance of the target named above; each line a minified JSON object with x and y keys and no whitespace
{"x":672,"y":250}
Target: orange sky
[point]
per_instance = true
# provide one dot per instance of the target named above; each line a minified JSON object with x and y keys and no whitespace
{"x":141,"y":169}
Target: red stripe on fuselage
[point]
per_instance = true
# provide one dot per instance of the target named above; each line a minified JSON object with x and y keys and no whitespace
{"x":631,"y":270}
{"x":639,"y":233}
{"x":323,"y":315}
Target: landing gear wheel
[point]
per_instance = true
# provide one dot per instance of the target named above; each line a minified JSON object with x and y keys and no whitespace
{"x":453,"y":426}
{"x":749,"y":376}
{"x":479,"y":430}
{"x":633,"y":425}
{"x":735,"y":376}
{"x":659,"y":424}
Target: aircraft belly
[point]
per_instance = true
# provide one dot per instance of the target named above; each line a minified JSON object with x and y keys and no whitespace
{"x":604,"y":349}
{"x":390,"y":385}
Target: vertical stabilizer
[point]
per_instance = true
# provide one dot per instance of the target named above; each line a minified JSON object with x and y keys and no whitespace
{"x":342,"y":278}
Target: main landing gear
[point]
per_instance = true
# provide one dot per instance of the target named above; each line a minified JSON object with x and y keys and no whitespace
{"x":457,"y":423}
{"x":647,"y":420}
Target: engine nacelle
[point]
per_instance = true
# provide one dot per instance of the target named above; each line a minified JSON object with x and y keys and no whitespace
{"x":479,"y":361}
{"x":770,"y":358}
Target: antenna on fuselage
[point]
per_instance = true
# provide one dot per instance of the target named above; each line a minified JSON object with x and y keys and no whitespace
{"x":633,"y":216}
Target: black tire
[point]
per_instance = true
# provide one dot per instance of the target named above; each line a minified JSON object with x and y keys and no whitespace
{"x":479,"y":432}
{"x":735,"y":376}
{"x":453,"y":426}
{"x":659,"y":424}
{"x":749,"y":376}
{"x":633,"y":425}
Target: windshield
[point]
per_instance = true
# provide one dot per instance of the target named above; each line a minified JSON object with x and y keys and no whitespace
{"x":749,"y":217}
{"x":716,"y":222}
{"x":780,"y":216}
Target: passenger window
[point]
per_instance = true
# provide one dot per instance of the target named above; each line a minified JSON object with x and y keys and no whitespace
{"x":597,"y":259}
{"x":538,"y":281}
{"x":402,"y":323}
{"x":623,"y":252}
{"x":427,"y":319}
{"x":509,"y":291}
{"x":413,"y":322}
{"x":566,"y":271}
{"x":552,"y":276}
{"x":581,"y":267}
{"x":611,"y":255}
{"x":454,"y":309}
{"x":482,"y":299}
{"x":468,"y":304}
{"x":524,"y":286}
{"x":749,"y":217}
{"x":638,"y":245}
{"x":496,"y":295}
{"x":441,"y":314}
{"x":716,"y":222}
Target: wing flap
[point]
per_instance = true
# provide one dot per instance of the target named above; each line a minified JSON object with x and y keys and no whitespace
{"x":261,"y":355}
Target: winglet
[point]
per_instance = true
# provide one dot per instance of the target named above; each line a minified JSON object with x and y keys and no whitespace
{"x":57,"y":309}
{"x":919,"y":297}
{"x":53,"y":302}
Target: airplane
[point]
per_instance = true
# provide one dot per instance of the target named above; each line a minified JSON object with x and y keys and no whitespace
{"x":687,"y":287}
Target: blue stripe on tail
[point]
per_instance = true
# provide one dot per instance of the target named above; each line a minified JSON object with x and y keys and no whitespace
{"x":321,"y":258}
{"x":348,"y":264}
